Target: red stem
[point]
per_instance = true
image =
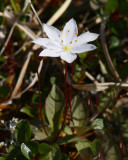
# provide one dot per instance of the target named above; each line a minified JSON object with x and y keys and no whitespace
{"x":66,"y":101}
{"x":122,"y":145}
{"x":100,"y":154}
{"x":66,"y":96}
{"x":71,"y":91}
{"x":97,"y":101}
{"x":40,"y":106}
{"x":90,"y":105}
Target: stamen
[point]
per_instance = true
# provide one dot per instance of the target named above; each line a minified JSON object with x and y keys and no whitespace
{"x":71,"y":42}
{"x":66,"y":48}
{"x":62,"y":41}
{"x":59,"y":35}
{"x":75,"y":40}
{"x":68,"y":30}
{"x":76,"y":34}
{"x":61,"y":31}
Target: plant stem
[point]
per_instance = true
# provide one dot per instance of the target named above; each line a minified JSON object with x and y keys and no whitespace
{"x":71,"y":91}
{"x":40,"y":106}
{"x":90,"y":105}
{"x":66,"y":101}
{"x":66,"y":96}
{"x":97,"y":101}
{"x":100,"y":154}
{"x":122,"y":145}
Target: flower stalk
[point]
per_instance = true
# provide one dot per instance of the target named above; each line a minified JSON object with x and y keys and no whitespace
{"x":66,"y":96}
{"x":71,"y":91}
{"x":40,"y":106}
{"x":90,"y":104}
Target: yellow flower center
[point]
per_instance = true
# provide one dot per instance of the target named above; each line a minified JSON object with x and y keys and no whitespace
{"x":66,"y":48}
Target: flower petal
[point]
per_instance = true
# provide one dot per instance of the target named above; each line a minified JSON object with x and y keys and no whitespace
{"x":49,"y":53}
{"x":83,"y":48}
{"x":41,"y":41}
{"x":52,"y":32}
{"x":48,"y":43}
{"x":68,"y":57}
{"x":86,"y":37}
{"x":70,"y":31}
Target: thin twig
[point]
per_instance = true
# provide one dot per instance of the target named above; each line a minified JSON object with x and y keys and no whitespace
{"x":27,"y":30}
{"x":105,"y":49}
{"x":20,"y":49}
{"x":96,"y":87}
{"x":90,"y":77}
{"x":14,"y":24}
{"x":106,"y":104}
{"x":8,"y":38}
{"x":35,"y":13}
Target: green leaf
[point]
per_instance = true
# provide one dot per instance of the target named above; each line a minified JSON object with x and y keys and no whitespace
{"x":123,"y":7}
{"x":26,"y":151}
{"x":119,"y":28}
{"x":83,"y":55}
{"x":69,"y":139}
{"x":65,"y":156}
{"x":114,"y":42}
{"x":38,"y":131}
{"x":113,"y":153}
{"x":84,"y":148}
{"x":96,"y":4}
{"x":16,"y":153}
{"x":39,"y":136}
{"x":29,"y":111}
{"x":67,"y":130}
{"x":46,"y":157}
{"x":98,"y":123}
{"x":44,"y":148}
{"x":2,"y":59}
{"x":22,"y":131}
{"x":111,"y":6}
{"x":6,"y":157}
{"x":55,"y":80}
{"x":54,"y":108}
{"x":56,"y":153}
{"x":14,"y":5}
{"x":79,"y":112}
{"x":123,"y":71}
{"x":4,"y":91}
{"x":35,"y":98}
{"x":33,"y":146}
{"x":82,"y":130}
{"x":95,"y":146}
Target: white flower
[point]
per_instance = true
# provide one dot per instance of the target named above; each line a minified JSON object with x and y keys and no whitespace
{"x":65,"y":44}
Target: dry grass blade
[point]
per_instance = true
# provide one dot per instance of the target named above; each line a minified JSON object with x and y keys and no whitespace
{"x":33,"y":81}
{"x":21,"y":76}
{"x":28,"y":31}
{"x":96,"y":87}
{"x":8,"y":38}
{"x":35,"y":13}
{"x":106,"y":104}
